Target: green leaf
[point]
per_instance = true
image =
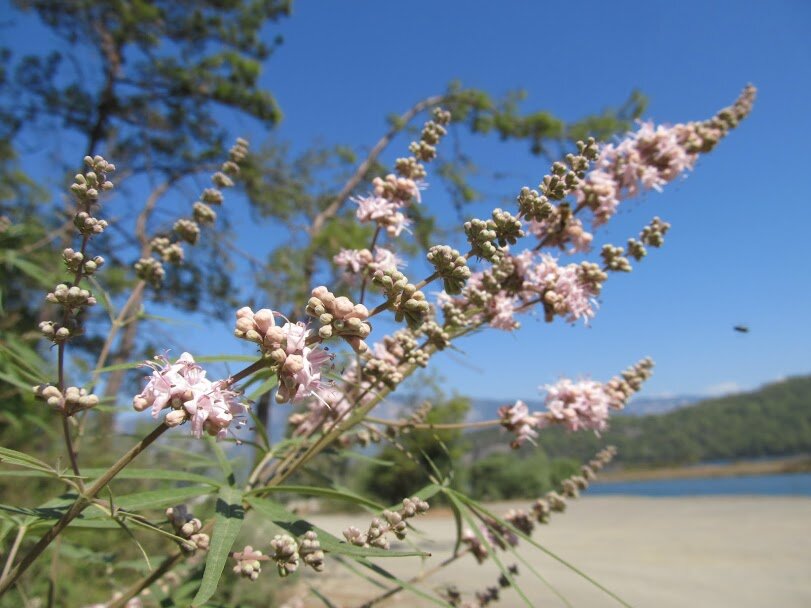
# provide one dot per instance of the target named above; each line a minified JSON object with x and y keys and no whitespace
{"x":227,"y":523}
{"x":223,"y":461}
{"x":263,"y":388}
{"x":106,"y":300}
{"x":190,"y":459}
{"x":16,"y":382}
{"x":154,"y":499}
{"x":364,"y":458}
{"x":32,"y":270}
{"x":457,"y":517}
{"x":344,"y":496}
{"x":20,"y":459}
{"x":260,"y":431}
{"x":221,"y":358}
{"x":118,"y":367}
{"x":292,"y":524}
{"x":156,"y":474}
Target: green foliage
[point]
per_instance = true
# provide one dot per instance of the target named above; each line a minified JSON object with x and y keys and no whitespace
{"x":162,"y":67}
{"x":419,"y":453}
{"x":505,"y":475}
{"x":227,"y":523}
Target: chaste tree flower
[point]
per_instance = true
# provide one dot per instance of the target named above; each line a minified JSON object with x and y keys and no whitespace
{"x":183,"y":388}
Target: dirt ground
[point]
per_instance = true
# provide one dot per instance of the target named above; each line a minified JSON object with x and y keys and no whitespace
{"x":662,"y":552}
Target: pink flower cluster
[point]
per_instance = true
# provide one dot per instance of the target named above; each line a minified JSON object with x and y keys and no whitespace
{"x":518,"y":419}
{"x":578,"y":405}
{"x":183,"y":388}
{"x":573,"y":234}
{"x":385,"y":204}
{"x":355,"y":261}
{"x":646,"y":159}
{"x":300,"y":366}
{"x":567,"y":291}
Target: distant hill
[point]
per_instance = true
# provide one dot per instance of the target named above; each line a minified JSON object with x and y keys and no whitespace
{"x":487,"y":409}
{"x":774,"y":420}
{"x":653,"y":406}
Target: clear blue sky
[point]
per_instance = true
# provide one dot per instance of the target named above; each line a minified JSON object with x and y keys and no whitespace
{"x":738,"y":251}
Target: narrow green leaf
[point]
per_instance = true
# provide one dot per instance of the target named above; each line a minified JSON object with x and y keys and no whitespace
{"x":334,"y":494}
{"x":260,"y":431}
{"x":263,"y":388}
{"x":190,"y":459}
{"x":32,"y":270}
{"x":132,"y":537}
{"x":321,"y":597}
{"x":222,"y":358}
{"x":457,"y":517}
{"x":106,"y":301}
{"x":21,"y":459}
{"x":155,"y":499}
{"x":118,"y":367}
{"x":156,"y":474}
{"x":295,"y":526}
{"x":26,"y":386}
{"x":363,"y":457}
{"x":228,"y":521}
{"x":223,"y":461}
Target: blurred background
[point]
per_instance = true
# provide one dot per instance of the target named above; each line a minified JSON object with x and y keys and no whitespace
{"x":163,"y":88}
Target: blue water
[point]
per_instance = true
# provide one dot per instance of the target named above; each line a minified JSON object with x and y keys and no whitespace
{"x":793,"y":484}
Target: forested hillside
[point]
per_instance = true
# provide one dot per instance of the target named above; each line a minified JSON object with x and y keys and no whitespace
{"x":774,"y":420}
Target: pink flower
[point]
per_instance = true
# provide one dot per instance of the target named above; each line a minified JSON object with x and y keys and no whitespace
{"x":399,"y":189}
{"x":574,"y":234}
{"x":502,"y":309}
{"x":518,"y":419}
{"x":213,"y":408}
{"x":353,"y":260}
{"x":374,"y":208}
{"x":565,"y":291}
{"x":578,"y":405}
{"x":646,"y":159}
{"x":300,"y":375}
{"x":295,"y":335}
{"x":170,"y":384}
{"x":387,"y":260}
{"x":183,"y":388}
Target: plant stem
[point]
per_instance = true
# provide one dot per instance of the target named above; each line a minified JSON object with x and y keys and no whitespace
{"x":428,"y":425}
{"x":366,"y":276}
{"x":12,"y":553}
{"x":74,"y":463}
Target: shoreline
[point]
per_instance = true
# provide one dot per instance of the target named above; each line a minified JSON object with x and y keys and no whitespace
{"x":793,"y":464}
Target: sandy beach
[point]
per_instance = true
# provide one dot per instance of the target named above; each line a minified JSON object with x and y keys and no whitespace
{"x":739,"y":552}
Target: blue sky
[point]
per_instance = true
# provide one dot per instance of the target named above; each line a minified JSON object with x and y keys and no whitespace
{"x":738,"y":250}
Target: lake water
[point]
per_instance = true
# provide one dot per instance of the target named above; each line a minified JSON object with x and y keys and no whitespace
{"x":794,"y":484}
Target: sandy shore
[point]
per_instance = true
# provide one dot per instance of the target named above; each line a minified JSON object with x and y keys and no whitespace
{"x":662,"y":552}
{"x":794,"y":464}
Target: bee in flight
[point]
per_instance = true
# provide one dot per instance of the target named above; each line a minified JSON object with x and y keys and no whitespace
{"x":743,"y":329}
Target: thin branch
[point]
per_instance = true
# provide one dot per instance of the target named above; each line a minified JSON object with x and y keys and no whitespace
{"x":12,"y":553}
{"x":431,"y":426}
